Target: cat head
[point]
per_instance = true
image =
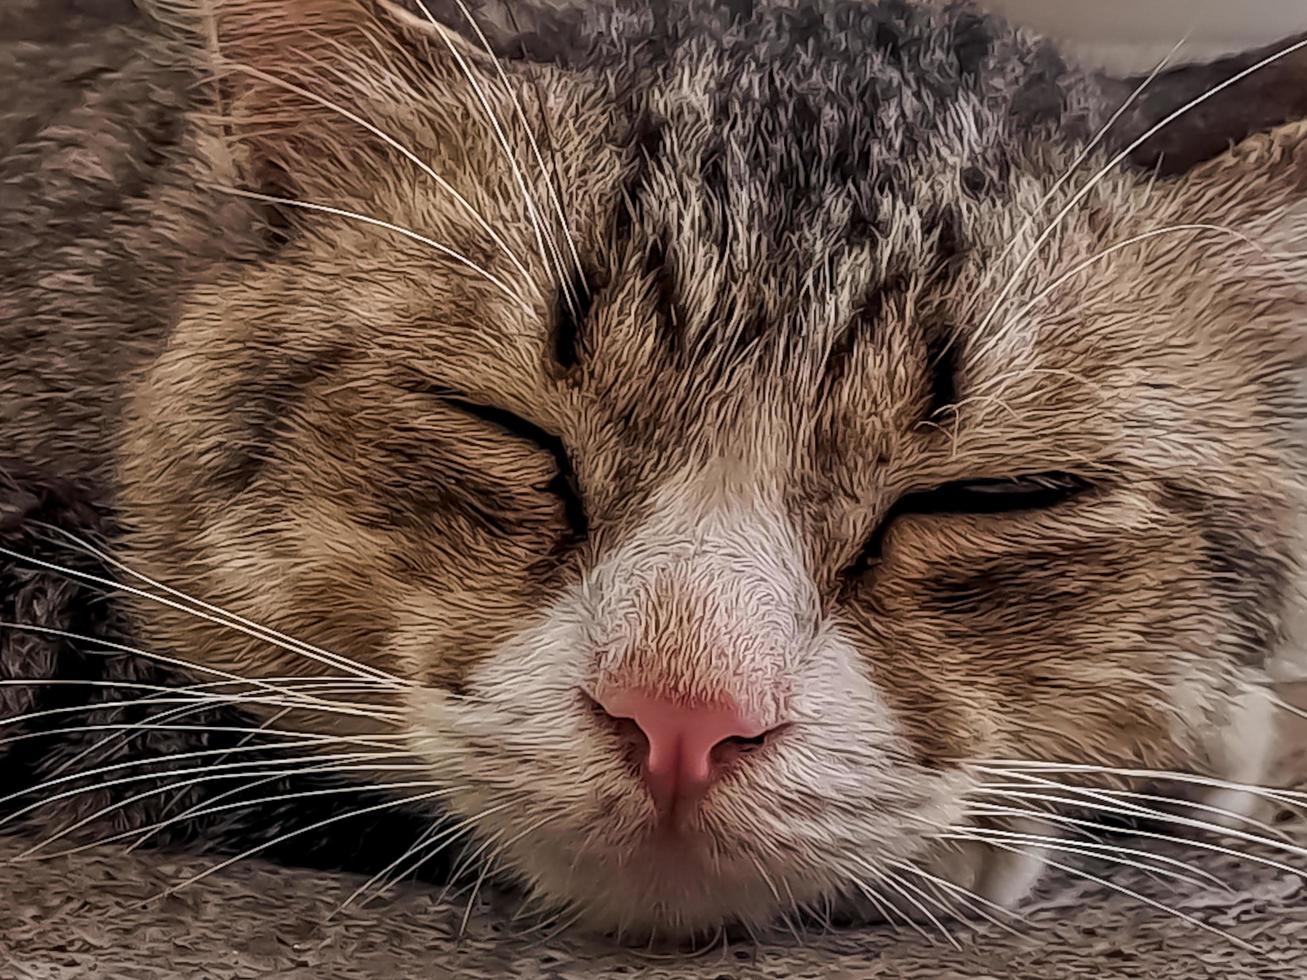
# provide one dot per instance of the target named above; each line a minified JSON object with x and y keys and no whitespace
{"x":739,"y":426}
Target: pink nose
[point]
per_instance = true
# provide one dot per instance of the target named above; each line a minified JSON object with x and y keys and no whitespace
{"x":681,"y":762}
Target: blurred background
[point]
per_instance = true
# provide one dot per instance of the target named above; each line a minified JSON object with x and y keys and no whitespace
{"x":1133,"y":34}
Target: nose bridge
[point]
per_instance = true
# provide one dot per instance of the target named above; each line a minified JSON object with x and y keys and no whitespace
{"x":704,"y":605}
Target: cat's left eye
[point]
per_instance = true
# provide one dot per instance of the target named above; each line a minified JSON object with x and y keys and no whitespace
{"x":993,"y":496}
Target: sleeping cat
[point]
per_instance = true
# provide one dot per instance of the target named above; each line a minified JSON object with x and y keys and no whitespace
{"x":694,"y":459}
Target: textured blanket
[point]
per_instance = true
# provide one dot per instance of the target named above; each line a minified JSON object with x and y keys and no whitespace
{"x":89,"y":917}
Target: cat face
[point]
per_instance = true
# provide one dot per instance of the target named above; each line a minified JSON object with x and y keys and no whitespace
{"x":729,"y":507}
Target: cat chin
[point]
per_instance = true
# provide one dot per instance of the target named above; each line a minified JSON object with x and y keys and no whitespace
{"x":679,"y":897}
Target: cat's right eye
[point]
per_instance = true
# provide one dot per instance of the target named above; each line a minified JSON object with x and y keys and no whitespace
{"x":564,"y":484}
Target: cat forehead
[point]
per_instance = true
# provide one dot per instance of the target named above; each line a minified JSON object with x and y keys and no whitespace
{"x":803,"y":191}
{"x":807,"y":121}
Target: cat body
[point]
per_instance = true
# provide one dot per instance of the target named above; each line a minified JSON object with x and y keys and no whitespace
{"x":710,"y":443}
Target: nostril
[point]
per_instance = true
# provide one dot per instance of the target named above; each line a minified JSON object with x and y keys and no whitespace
{"x":679,"y":748}
{"x":737,"y":745}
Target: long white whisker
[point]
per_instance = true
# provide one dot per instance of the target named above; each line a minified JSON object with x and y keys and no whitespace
{"x":368,"y":219}
{"x":418,"y":846}
{"x":369,"y":763}
{"x":121,"y":733}
{"x":399,"y":147}
{"x":902,"y":887}
{"x":1084,"y":155}
{"x":1130,"y":893}
{"x":1107,"y":253}
{"x":138,"y":763}
{"x":771,"y":886}
{"x":289,"y":735}
{"x":537,"y":221}
{"x":489,"y":863}
{"x":388,"y":805}
{"x":246,"y":739}
{"x":1123,"y":797}
{"x":206,"y":806}
{"x":1129,"y":856}
{"x":198,"y":694}
{"x":1115,"y":161}
{"x":885,"y":907}
{"x":966,"y":896}
{"x":1279,"y":702}
{"x":1152,"y":835}
{"x":253,"y":630}
{"x":226,"y":617}
{"x":530,"y":135}
{"x":1012,"y":768}
{"x":437,"y":844}
{"x":292,"y":698}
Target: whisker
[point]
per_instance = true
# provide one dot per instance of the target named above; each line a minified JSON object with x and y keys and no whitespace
{"x":257,"y":632}
{"x":563,"y":926}
{"x":1102,"y":174}
{"x":966,"y":896}
{"x":537,"y":222}
{"x":771,"y":886}
{"x":205,"y":807}
{"x":122,"y":733}
{"x":1131,"y":893}
{"x":489,"y":863}
{"x":367,"y":219}
{"x":1128,"y":856}
{"x":535,"y":147}
{"x":1196,"y":824}
{"x":305,"y":704}
{"x":884,"y":902}
{"x":370,"y":766}
{"x":147,"y":726}
{"x":1279,"y":702}
{"x":1124,"y":796}
{"x":190,"y":694}
{"x":138,"y":763}
{"x":282,"y":838}
{"x":380,"y":876}
{"x":1070,"y":171}
{"x":1196,"y":227}
{"x":884,"y":907}
{"x":907,"y":890}
{"x":1012,"y":769}
{"x":245,"y":740}
{"x":1087,"y":151}
{"x":395,"y":144}
{"x":448,"y":836}
{"x":353,"y":667}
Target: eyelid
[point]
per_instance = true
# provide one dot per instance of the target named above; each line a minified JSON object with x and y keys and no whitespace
{"x":504,"y":420}
{"x":995,"y":495}
{"x":565,"y":484}
{"x":988,"y":499}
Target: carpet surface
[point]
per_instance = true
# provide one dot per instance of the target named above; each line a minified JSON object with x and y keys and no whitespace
{"x":91,"y":916}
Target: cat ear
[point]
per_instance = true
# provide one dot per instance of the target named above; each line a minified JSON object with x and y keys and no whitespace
{"x":306,"y":88}
{"x":1188,"y":116}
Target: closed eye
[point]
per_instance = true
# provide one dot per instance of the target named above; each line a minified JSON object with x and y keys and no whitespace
{"x":997,"y":496}
{"x":564,"y":483}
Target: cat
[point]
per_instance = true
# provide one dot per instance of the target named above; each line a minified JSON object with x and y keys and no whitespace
{"x":693,"y":460}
